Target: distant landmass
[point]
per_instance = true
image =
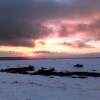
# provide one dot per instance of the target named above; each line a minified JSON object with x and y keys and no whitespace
{"x":14,"y":58}
{"x":27,"y":58}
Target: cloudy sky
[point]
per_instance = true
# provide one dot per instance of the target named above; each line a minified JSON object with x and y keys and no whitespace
{"x":49,"y":28}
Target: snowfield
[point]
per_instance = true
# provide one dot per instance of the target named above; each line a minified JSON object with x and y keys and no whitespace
{"x":28,"y":87}
{"x":59,"y":64}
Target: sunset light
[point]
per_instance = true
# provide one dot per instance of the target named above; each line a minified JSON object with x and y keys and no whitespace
{"x":49,"y":49}
{"x":60,"y":29}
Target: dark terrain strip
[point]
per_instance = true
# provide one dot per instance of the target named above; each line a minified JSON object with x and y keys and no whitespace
{"x":49,"y":72}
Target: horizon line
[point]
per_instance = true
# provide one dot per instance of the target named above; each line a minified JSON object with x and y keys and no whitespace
{"x":44,"y":58}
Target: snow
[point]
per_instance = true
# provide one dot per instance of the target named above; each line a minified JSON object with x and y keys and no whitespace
{"x":59,"y":64}
{"x":27,"y":87}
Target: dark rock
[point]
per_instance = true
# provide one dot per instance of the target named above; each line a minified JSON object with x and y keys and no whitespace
{"x":78,"y":65}
{"x":45,"y":71}
{"x":22,"y":70}
{"x":50,"y":72}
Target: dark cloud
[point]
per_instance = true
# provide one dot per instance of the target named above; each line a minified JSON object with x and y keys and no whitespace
{"x":42,"y":52}
{"x":90,"y":31}
{"x":77,"y":44}
{"x":11,"y":54}
{"x":74,"y":8}
{"x":21,"y":19}
{"x":19,"y":42}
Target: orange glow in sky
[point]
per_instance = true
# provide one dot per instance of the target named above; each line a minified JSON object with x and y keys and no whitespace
{"x":70,"y":41}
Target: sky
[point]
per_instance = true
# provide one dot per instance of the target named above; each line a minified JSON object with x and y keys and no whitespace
{"x":49,"y":28}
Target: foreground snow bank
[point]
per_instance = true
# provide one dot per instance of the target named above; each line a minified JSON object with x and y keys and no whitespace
{"x":27,"y":87}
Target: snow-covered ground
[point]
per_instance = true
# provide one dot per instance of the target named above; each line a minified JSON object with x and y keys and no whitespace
{"x":27,"y":87}
{"x":59,"y":64}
